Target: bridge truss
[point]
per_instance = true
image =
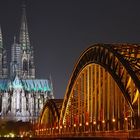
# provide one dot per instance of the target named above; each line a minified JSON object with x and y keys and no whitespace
{"x":103,"y":90}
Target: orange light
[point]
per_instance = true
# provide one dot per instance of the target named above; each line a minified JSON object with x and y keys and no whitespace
{"x":60,"y":127}
{"x":94,"y":122}
{"x":103,"y":121}
{"x":126,"y":118}
{"x":86,"y":123}
{"x":80,"y":124}
{"x":74,"y":125}
{"x":113,"y":120}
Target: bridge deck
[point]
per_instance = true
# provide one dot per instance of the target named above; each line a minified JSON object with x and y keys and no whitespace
{"x":111,"y":135}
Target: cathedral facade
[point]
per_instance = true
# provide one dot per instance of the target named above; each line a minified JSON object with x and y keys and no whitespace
{"x":22,"y":96}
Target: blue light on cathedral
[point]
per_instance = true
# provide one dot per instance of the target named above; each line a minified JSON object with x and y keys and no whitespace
{"x":22,"y":96}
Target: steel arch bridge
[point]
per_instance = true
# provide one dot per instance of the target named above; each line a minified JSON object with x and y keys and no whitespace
{"x":49,"y":117}
{"x":103,"y":90}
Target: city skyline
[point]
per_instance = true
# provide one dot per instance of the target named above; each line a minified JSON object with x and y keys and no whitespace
{"x":60,"y":31}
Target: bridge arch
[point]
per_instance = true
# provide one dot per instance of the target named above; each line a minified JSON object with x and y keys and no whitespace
{"x":50,"y":114}
{"x":100,"y":69}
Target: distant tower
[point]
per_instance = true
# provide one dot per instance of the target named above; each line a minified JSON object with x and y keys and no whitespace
{"x":22,"y":56}
{"x":1,"y":48}
{"x":3,"y":59}
{"x":28,"y":68}
{"x":24,"y":35}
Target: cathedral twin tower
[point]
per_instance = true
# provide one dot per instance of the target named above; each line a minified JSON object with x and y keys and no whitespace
{"x":21,"y":95}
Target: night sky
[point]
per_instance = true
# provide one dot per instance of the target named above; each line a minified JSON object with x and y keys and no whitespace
{"x":61,"y":29}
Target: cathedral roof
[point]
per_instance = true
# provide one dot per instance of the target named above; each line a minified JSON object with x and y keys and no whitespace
{"x":29,"y":85}
{"x":36,"y":85}
{"x":3,"y":84}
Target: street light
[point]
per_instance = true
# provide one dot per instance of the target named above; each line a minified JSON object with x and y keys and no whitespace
{"x":87,"y":123}
{"x":103,"y":121}
{"x":113,"y":120}
{"x":126,"y":118}
{"x":94,"y":122}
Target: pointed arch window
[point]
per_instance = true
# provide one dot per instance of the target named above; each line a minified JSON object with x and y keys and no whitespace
{"x":25,"y":65}
{"x":30,"y":64}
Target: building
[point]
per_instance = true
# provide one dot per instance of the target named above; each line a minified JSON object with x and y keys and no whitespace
{"x":22,"y":96}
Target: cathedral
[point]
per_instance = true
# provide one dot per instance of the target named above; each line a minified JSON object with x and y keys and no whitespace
{"x":22,"y":96}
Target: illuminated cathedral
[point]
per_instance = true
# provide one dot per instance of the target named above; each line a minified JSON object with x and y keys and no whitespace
{"x":22,"y":96}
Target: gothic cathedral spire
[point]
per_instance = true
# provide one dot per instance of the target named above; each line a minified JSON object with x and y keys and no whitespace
{"x":24,"y":35}
{"x":3,"y":59}
{"x":1,"y":46}
{"x":22,"y":57}
{"x":1,"y":43}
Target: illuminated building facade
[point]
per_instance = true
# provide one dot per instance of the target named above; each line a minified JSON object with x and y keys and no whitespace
{"x":21,"y":96}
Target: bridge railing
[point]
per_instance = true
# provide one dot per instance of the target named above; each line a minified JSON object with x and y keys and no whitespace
{"x":61,"y":132}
